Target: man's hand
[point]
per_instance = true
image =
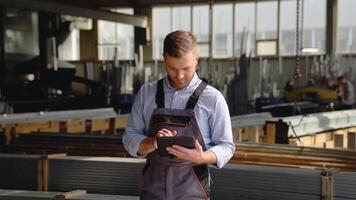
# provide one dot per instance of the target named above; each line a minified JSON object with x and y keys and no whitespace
{"x":166,"y":133}
{"x":196,"y":155}
{"x":149,"y":144}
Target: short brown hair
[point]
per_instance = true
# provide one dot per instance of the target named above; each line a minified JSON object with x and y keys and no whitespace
{"x":178,"y":43}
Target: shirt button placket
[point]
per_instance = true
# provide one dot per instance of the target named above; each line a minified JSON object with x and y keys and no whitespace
{"x":175,"y":95}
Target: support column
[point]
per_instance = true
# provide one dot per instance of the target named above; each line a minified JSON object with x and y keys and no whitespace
{"x":331,"y":26}
{"x":89,"y":43}
{"x":2,"y":52}
{"x":142,"y":36}
{"x":45,"y":24}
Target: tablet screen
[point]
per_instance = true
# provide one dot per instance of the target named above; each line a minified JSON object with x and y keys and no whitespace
{"x":164,"y":142}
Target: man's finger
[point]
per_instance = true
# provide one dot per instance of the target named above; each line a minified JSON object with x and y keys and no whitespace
{"x":181,"y":149}
{"x":198,"y":146}
{"x":177,"y":153}
{"x":175,"y":133}
{"x":167,"y":132}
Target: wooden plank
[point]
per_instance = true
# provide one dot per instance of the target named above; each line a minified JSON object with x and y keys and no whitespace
{"x":100,"y":125}
{"x":237,"y":134}
{"x":53,"y":127}
{"x":121,"y":122}
{"x":30,"y":127}
{"x":25,"y":128}
{"x":8,"y":133}
{"x":341,"y":133}
{"x":244,"y":135}
{"x":338,"y":141}
{"x":270,"y":137}
{"x":321,"y":138}
{"x":76,"y":126}
{"x":45,"y":175}
{"x":71,"y":194}
{"x":297,"y":151}
{"x":44,"y":171}
{"x":351,"y":140}
{"x":307,"y":140}
{"x":253,"y":134}
{"x":353,"y":129}
{"x":329,"y":144}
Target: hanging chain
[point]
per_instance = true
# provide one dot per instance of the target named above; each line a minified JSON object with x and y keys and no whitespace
{"x":297,"y":73}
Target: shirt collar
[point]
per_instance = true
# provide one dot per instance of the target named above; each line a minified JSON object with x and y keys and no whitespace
{"x":191,"y":84}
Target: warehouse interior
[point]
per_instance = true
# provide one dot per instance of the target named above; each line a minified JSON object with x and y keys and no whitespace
{"x":70,"y":71}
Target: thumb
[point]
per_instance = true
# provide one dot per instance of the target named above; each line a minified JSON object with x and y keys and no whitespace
{"x":198,"y":146}
{"x":154,"y":142}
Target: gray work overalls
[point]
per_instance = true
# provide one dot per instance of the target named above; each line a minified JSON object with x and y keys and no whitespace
{"x":170,"y":178}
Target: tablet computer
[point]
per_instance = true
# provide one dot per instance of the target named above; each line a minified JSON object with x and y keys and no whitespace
{"x":164,"y":142}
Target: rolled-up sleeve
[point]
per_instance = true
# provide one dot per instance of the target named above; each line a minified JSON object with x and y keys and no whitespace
{"x":135,"y":129}
{"x":221,"y":131}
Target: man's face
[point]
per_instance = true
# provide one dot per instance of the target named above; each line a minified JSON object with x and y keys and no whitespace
{"x":342,"y":81}
{"x":181,"y":70}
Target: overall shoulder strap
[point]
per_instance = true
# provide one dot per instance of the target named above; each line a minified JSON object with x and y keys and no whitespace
{"x":193,"y":99}
{"x":160,"y":94}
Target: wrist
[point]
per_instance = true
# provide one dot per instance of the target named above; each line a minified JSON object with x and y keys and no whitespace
{"x":153,"y":142}
{"x":204,"y":158}
{"x":147,"y":145}
{"x":208,"y":157}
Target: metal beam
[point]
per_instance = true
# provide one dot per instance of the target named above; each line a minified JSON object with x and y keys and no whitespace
{"x":320,"y":122}
{"x":42,"y":5}
{"x":255,"y":119}
{"x":303,"y":125}
{"x":171,"y":2}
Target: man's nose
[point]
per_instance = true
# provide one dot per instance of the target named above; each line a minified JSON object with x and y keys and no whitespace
{"x":180,"y":75}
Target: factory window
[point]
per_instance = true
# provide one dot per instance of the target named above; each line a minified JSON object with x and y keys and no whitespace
{"x":223,"y":32}
{"x":116,"y":40}
{"x":314,"y":25}
{"x":201,"y":28}
{"x":245,"y":28}
{"x":161,"y":17}
{"x":166,"y":20}
{"x":266,"y":28}
{"x":313,"y":34}
{"x":181,"y":19}
{"x":346,"y":26}
{"x":267,"y":20}
{"x":266,"y":47}
{"x":288,"y":27}
{"x":21,"y":32}
{"x":69,"y":49}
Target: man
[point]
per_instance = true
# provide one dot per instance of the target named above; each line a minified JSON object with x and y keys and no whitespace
{"x":346,"y":93}
{"x":180,"y":95}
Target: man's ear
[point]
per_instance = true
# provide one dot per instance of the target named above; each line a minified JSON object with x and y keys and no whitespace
{"x":196,"y":58}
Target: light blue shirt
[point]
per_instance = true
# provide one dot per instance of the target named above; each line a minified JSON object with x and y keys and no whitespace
{"x":211,"y":113}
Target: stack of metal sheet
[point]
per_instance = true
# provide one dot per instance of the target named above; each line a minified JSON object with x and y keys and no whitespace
{"x":255,"y":119}
{"x":267,"y":183}
{"x":18,"y":171}
{"x":96,"y":175}
{"x":34,"y":195}
{"x":46,"y":116}
{"x":344,"y":185}
{"x":122,"y":176}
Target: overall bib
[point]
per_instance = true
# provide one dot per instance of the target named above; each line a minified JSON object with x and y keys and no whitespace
{"x":169,"y":178}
